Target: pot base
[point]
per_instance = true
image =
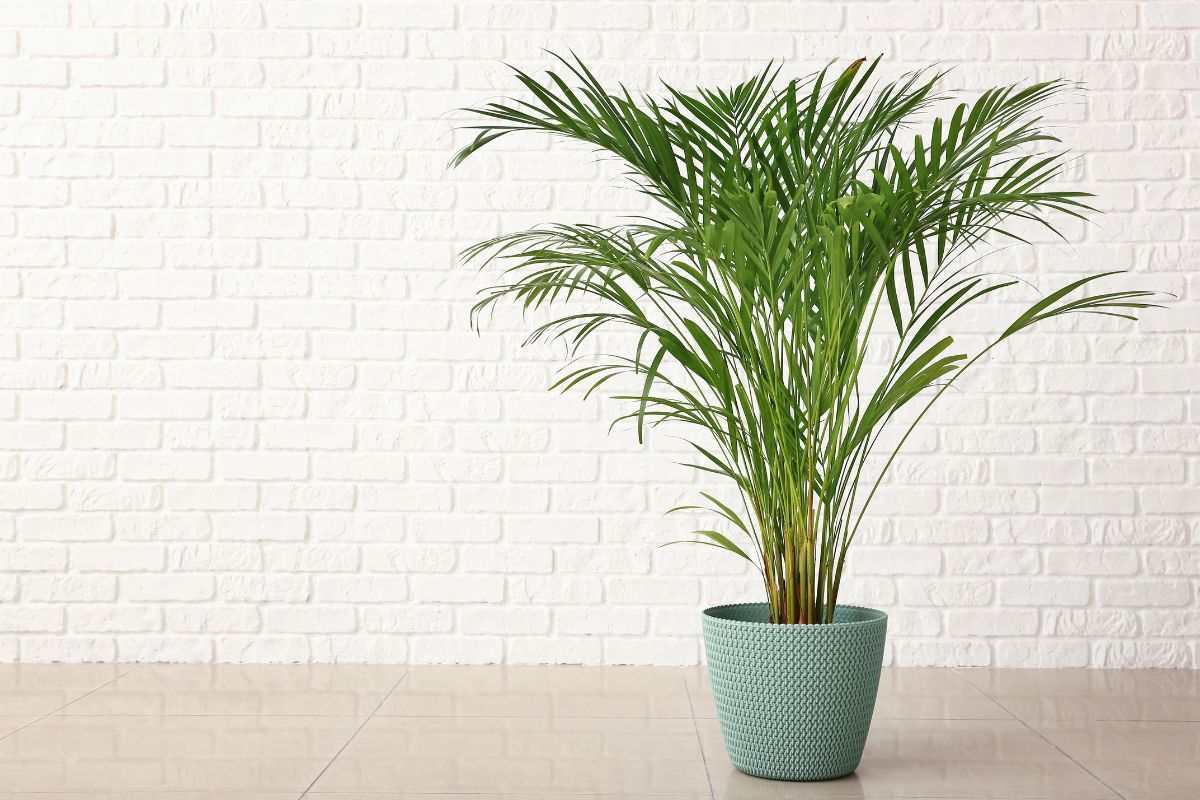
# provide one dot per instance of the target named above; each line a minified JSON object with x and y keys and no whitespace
{"x":794,"y":701}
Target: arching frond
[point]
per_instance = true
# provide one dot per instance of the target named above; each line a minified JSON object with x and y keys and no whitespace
{"x":795,"y":230}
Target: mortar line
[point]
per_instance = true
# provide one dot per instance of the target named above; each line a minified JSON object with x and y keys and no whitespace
{"x":699,"y":741}
{"x":356,"y":731}
{"x":1042,"y":736}
{"x":49,"y":714}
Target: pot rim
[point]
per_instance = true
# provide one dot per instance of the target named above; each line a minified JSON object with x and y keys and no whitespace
{"x":711,"y":612}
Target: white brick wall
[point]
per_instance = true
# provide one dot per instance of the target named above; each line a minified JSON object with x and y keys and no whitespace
{"x":242,"y":416}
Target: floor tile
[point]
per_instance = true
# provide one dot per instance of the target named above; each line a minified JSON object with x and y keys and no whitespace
{"x":1093,"y":694}
{"x":927,"y":758}
{"x":514,"y":755}
{"x":233,"y":689}
{"x":560,"y":691}
{"x":218,"y":795}
{"x":920,"y":693}
{"x":695,"y":680}
{"x":39,"y":689}
{"x":491,"y":796}
{"x":904,"y":693}
{"x":129,"y":753}
{"x":249,"y":732}
{"x":1140,"y":760}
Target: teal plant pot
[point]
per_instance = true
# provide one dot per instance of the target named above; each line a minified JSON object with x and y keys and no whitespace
{"x":794,"y":701}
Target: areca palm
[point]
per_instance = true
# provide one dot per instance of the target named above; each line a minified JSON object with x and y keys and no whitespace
{"x":796,"y":231}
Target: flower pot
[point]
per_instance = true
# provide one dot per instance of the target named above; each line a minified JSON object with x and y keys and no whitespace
{"x":794,"y":701}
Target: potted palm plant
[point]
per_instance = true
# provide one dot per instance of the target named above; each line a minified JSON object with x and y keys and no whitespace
{"x":801,"y":222}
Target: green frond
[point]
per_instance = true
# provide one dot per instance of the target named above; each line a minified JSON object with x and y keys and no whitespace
{"x":794,"y":222}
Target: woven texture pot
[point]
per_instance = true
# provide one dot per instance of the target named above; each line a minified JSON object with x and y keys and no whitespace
{"x":794,"y":701}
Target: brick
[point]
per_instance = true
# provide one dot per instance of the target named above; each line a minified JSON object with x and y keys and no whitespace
{"x":296,"y":496}
{"x":255,"y":103}
{"x":458,"y":589}
{"x":895,"y":16}
{"x":1087,"y":501}
{"x":78,"y":405}
{"x":165,"y":466}
{"x":211,"y":375}
{"x":166,"y":588}
{"x":1171,"y":15}
{"x":736,"y":45}
{"x":69,"y":528}
{"x":67,"y":43}
{"x":68,"y":588}
{"x":164,"y":103}
{"x":504,"y":620}
{"x":258,"y":527}
{"x":168,"y":649}
{"x":31,"y":619}
{"x":1141,"y":592}
{"x":114,"y":619}
{"x":39,"y":72}
{"x":1043,"y":592}
{"x":1099,"y":16}
{"x":508,"y":559}
{"x":135,"y":14}
{"x":31,"y":436}
{"x":1037,"y":46}
{"x":310,"y":619}
{"x":313,"y":558}
{"x":194,"y":618}
{"x":593,"y":621}
{"x":33,"y":558}
{"x":162,"y":527}
{"x":211,"y":497}
{"x":995,"y":622}
{"x":1091,"y":562}
{"x":263,"y":588}
{"x":312,"y":15}
{"x":261,"y":466}
{"x":117,"y":557}
{"x":84,"y":496}
{"x":296,"y":436}
{"x":362,"y":588}
{"x":1157,"y":46}
{"x":69,"y":465}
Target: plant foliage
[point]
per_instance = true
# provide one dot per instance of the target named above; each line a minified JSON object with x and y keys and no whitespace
{"x":795,"y":229}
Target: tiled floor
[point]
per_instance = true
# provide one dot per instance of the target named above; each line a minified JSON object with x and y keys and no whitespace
{"x":191,"y":732}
